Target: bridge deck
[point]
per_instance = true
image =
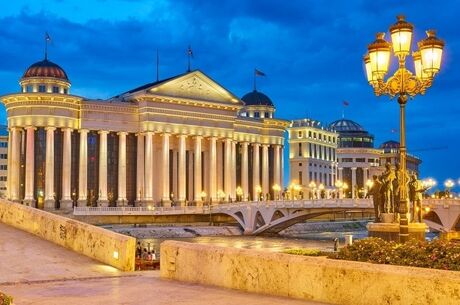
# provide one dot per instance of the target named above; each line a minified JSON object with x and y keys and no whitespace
{"x":35,"y":271}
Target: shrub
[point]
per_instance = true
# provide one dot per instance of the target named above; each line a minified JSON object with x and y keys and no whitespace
{"x":438,"y":254}
{"x":305,"y":252}
{"x":5,"y":300}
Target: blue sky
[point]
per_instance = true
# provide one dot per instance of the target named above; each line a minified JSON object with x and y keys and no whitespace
{"x":311,"y":52}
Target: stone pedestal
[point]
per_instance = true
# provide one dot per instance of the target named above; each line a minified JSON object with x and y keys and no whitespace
{"x":387,"y":217}
{"x":66,"y":205}
{"x":29,"y":203}
{"x":50,"y":204}
{"x":390,"y":231}
{"x":82,"y":203}
{"x":102,"y":203}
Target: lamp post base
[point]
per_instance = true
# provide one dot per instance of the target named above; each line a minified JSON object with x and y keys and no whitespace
{"x":390,"y":231}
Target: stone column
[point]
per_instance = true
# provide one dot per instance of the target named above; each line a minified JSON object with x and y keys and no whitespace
{"x":140,"y":170}
{"x":365,"y":175}
{"x":353,"y":182}
{"x":50,"y":202}
{"x":276,"y":170}
{"x":197,"y":172}
{"x":9,"y":167}
{"x":244,"y":170}
{"x":148,"y":170}
{"x":13,"y":173}
{"x":122,"y":200}
{"x":30,"y":160}
{"x":255,"y":171}
{"x":281,"y":167}
{"x":227,"y":170}
{"x":66,"y":202}
{"x":213,"y":169}
{"x":265,"y":171}
{"x":340,"y":174}
{"x":233,"y":170}
{"x":182,"y":171}
{"x":165,"y":169}
{"x":102,"y":199}
{"x":83,"y":169}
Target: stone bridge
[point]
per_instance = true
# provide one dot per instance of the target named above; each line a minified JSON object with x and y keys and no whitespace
{"x":273,"y":216}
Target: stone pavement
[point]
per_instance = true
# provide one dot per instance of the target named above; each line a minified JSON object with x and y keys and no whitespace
{"x":35,"y":271}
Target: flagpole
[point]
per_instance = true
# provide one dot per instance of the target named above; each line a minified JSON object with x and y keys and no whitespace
{"x":255,"y":88}
{"x":158,"y":67}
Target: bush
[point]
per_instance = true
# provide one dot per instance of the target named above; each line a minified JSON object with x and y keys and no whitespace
{"x":438,"y":254}
{"x":5,"y":300}
{"x":305,"y":252}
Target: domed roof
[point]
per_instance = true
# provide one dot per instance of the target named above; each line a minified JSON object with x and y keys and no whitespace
{"x":45,"y":68}
{"x":257,"y":98}
{"x":390,"y":145}
{"x":344,"y":125}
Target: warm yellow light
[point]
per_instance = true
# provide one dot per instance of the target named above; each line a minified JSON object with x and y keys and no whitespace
{"x":449,"y":183}
{"x":321,"y":186}
{"x":418,"y":66}
{"x":431,"y":53}
{"x":401,"y":36}
{"x":338,"y":184}
{"x":239,"y":191}
{"x":276,"y":188}
{"x":258,"y":189}
{"x":379,"y":54}
{"x":312,"y":184}
{"x":369,"y":183}
{"x":203,"y":194}
{"x":367,"y":65}
{"x":427,"y":209}
{"x":345,"y":186}
{"x":115,"y":254}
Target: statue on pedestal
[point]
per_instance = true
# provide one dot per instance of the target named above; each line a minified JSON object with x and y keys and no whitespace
{"x":416,"y":189}
{"x":387,"y":178}
{"x":377,"y":197}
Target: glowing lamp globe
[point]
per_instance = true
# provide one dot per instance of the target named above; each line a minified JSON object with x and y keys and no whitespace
{"x":401,"y":36}
{"x":379,"y":54}
{"x":431,"y":53}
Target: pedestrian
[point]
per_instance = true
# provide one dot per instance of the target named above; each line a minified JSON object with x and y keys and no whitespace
{"x":336,"y":244}
{"x":138,"y":250}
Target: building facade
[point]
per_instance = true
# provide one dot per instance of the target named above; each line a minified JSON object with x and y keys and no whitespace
{"x":179,"y":140}
{"x":3,"y":160}
{"x":312,"y":156}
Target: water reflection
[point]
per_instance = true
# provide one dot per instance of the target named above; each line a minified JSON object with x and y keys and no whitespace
{"x":322,"y":241}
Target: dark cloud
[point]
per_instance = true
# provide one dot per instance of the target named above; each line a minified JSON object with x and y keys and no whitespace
{"x":311,"y":52}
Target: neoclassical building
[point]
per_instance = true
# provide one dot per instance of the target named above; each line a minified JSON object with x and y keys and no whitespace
{"x":184,"y":139}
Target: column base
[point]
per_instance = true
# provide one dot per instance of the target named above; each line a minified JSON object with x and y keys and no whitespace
{"x":198,"y":203}
{"x":103,"y":203}
{"x":66,"y":204}
{"x":29,"y":203}
{"x":122,"y":203}
{"x":390,"y":231}
{"x":139,"y":203}
{"x":82,"y":203}
{"x":147,"y":203}
{"x":49,"y":204}
{"x":166,"y":203}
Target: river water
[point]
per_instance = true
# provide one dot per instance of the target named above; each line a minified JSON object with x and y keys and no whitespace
{"x":317,"y":240}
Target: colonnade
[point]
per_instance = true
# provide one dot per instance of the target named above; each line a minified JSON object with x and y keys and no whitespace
{"x":203,"y":170}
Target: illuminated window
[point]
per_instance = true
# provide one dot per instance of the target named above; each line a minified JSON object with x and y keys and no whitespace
{"x":299,"y":134}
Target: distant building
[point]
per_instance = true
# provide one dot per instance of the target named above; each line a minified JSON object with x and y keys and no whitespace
{"x":3,"y":160}
{"x":391,"y":155}
{"x":357,"y":158}
{"x":312,"y":155}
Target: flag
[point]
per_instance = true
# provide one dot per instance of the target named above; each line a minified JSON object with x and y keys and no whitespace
{"x":394,"y":130}
{"x":346,"y":103}
{"x":259,"y":73}
{"x":47,"y":37}
{"x":190,"y":52}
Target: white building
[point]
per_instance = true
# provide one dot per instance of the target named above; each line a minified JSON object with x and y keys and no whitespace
{"x":179,"y":140}
{"x":312,"y":156}
{"x":3,"y":160}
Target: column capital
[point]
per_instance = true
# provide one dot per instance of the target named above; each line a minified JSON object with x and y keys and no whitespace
{"x":50,"y":128}
{"x":198,"y":137}
{"x":122,"y":133}
{"x":103,"y":132}
{"x":244,"y":143}
{"x":83,"y":130}
{"x":353,"y":168}
{"x":30,"y":127}
{"x":182,"y":136}
{"x":67,"y":129}
{"x":255,"y":144}
{"x":165,"y":134}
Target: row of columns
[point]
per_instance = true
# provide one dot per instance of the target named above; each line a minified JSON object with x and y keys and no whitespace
{"x":353,"y":179}
{"x":145,"y":164}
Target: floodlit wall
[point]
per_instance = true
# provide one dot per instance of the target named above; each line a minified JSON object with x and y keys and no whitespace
{"x":309,"y":278}
{"x":108,"y":247}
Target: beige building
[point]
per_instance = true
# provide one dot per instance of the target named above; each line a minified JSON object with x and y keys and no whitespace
{"x":3,"y":160}
{"x":312,"y":156}
{"x":181,"y":140}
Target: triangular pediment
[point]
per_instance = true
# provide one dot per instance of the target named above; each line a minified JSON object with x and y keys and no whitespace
{"x":195,"y":85}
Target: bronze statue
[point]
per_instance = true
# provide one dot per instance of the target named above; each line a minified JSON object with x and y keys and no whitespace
{"x":375,"y":191}
{"x":387,"y":178}
{"x":416,"y":189}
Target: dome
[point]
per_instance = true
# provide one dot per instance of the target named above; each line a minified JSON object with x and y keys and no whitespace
{"x":256,"y":98}
{"x":390,"y":145}
{"x":344,"y":125}
{"x":45,"y":68}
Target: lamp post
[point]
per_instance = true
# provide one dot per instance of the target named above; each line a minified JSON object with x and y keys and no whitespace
{"x":449,"y":184}
{"x":338,"y":185}
{"x":276,"y":191}
{"x":312,"y":186}
{"x":239,"y":194}
{"x":258,"y":191}
{"x":403,"y":84}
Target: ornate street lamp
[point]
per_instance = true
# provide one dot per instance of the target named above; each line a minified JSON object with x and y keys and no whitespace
{"x":276,"y":190}
{"x":239,"y":193}
{"x":258,"y":192}
{"x":403,"y":84}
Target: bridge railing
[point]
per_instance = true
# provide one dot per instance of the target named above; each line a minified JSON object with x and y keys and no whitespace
{"x":122,"y":211}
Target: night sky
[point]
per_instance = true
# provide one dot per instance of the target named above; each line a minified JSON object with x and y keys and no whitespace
{"x":311,"y":52}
